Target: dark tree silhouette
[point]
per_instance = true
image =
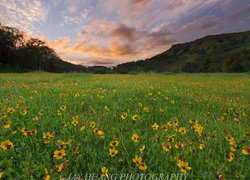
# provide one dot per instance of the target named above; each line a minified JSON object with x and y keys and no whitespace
{"x":31,"y":54}
{"x":10,"y":40}
{"x":39,"y":48}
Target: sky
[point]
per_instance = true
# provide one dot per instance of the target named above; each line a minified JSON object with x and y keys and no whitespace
{"x":110,"y":32}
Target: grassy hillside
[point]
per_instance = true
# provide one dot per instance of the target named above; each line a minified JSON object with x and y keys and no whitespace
{"x":217,"y":53}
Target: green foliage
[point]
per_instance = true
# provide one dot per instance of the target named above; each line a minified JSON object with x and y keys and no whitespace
{"x":99,"y":70}
{"x":237,"y":61}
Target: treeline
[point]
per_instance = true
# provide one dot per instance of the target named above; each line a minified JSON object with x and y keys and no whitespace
{"x":22,"y":54}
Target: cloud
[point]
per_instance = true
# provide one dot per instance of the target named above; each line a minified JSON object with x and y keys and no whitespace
{"x":232,"y":20}
{"x":99,"y":62}
{"x":126,"y":9}
{"x":124,"y":32}
{"x":123,"y":40}
{"x":239,"y":13}
{"x":22,"y":14}
{"x":117,"y":41}
{"x":115,"y":50}
{"x":73,"y":9}
{"x":175,"y":5}
{"x":62,"y":44}
{"x":111,"y":31}
{"x":147,"y":13}
{"x":74,"y":18}
{"x":89,"y":49}
{"x":123,"y":50}
{"x":161,"y":37}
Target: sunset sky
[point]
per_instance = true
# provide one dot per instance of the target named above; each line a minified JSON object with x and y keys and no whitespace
{"x":109,"y":32}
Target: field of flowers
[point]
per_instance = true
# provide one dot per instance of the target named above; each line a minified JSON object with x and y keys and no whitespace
{"x":54,"y":125}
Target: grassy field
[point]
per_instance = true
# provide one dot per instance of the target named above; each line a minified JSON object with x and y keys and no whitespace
{"x":57,"y":124}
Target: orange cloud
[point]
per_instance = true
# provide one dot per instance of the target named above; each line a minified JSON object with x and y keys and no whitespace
{"x":103,"y":40}
{"x":62,"y":44}
{"x":93,"y":50}
{"x":115,"y":50}
{"x":121,"y":50}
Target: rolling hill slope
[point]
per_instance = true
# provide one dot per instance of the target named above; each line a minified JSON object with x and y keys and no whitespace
{"x":215,"y":53}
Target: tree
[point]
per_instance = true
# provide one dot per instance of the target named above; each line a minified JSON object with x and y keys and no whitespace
{"x":36,"y":46}
{"x":10,"y":40}
{"x":42,"y":52}
{"x":237,"y":61}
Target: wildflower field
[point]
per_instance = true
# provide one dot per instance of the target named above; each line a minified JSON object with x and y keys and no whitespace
{"x":54,"y":125}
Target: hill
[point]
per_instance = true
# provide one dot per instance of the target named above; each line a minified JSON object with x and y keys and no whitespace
{"x":99,"y":70}
{"x":214,"y":53}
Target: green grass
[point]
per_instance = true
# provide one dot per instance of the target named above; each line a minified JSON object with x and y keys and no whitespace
{"x":219,"y":103}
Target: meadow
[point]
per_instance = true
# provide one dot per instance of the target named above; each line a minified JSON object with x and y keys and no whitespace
{"x":54,"y":125}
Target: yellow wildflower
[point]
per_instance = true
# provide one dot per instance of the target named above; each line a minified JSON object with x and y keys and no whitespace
{"x":114,"y":143}
{"x":142,"y":149}
{"x":46,"y":175}
{"x":59,"y":154}
{"x":197,"y":128}
{"x":166,"y":146}
{"x":202,"y":146}
{"x":92,"y":124}
{"x":134,"y":117}
{"x":101,"y":134}
{"x":124,"y":115}
{"x":179,"y":145}
{"x":59,"y":167}
{"x":35,"y":118}
{"x":142,"y":166}
{"x":230,"y":156}
{"x":104,"y":171}
{"x":183,"y":166}
{"x":135,"y":137}
{"x":170,"y":139}
{"x":63,"y":107}
{"x":113,"y":152}
{"x":6,"y":145}
{"x":82,"y":128}
{"x":182,"y":130}
{"x":7,"y":125}
{"x":246,"y":150}
{"x":155,"y":126}
{"x":10,"y":110}
{"x":137,"y":160}
{"x":1,"y":173}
